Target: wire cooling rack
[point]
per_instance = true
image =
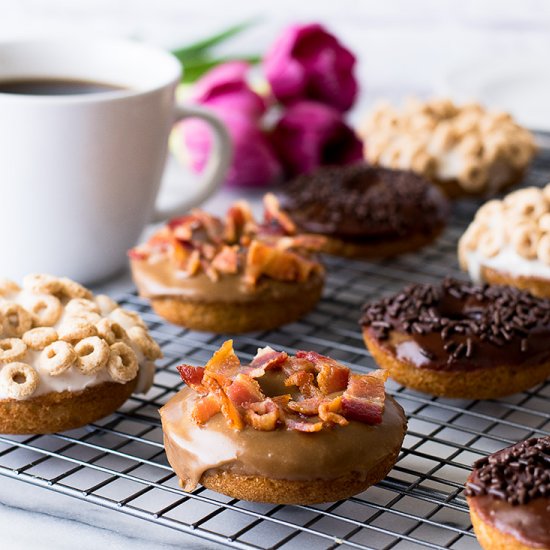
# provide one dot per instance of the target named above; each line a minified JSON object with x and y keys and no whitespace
{"x":119,"y":462}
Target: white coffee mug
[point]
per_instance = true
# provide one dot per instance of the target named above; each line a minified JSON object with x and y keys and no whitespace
{"x":79,"y":174}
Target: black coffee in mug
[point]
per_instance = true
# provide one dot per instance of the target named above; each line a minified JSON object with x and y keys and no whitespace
{"x":54,"y":86}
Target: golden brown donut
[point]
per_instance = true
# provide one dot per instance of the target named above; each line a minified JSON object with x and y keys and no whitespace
{"x":286,"y":430}
{"x":508,"y":494}
{"x":67,"y":357}
{"x":466,"y":150}
{"x":460,"y":340}
{"x":232,"y":275}
{"x":508,"y":242}
{"x":366,"y":212}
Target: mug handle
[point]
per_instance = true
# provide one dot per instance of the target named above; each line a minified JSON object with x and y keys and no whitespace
{"x":215,"y":169}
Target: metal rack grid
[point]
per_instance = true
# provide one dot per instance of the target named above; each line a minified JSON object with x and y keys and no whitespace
{"x":119,"y":461}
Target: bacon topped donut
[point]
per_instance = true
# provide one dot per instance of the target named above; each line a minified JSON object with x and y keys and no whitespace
{"x":289,"y":429}
{"x":234,"y":274}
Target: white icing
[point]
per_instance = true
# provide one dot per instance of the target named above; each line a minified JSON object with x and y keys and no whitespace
{"x":506,"y":261}
{"x":72,"y":379}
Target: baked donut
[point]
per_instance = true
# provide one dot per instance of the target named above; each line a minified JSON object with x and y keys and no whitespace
{"x":509,"y":242}
{"x":365,"y":211}
{"x":67,"y":358}
{"x":465,"y":149}
{"x":286,"y":430}
{"x":458,"y":339}
{"x":508,"y":494}
{"x":231,"y":275}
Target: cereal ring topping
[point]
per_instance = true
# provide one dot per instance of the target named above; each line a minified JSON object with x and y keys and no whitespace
{"x":12,"y":349}
{"x":18,"y":380}
{"x":40,"y":337}
{"x":123,"y":364}
{"x":58,"y":357}
{"x":111,"y":331}
{"x":45,"y":309}
{"x":465,"y":143}
{"x":93,"y":353}
{"x":55,"y":336}
{"x":518,"y":225}
{"x":16,"y":319}
{"x":142,"y":339}
{"x":74,"y":329}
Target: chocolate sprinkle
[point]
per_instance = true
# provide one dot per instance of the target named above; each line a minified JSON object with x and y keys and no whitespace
{"x":517,"y":474}
{"x":464,"y":320}
{"x":360,"y":201}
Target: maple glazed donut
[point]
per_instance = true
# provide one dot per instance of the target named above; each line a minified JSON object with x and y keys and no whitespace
{"x":508,"y":494}
{"x":464,"y":149}
{"x":67,"y":358}
{"x":366,"y":212}
{"x":231,"y":275}
{"x":458,"y":339}
{"x":288,"y":430}
{"x":509,"y":242}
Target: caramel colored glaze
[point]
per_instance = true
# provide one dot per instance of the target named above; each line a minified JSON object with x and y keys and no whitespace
{"x":161,"y":279}
{"x":280,"y":454}
{"x":426,"y":351}
{"x":528,"y":523}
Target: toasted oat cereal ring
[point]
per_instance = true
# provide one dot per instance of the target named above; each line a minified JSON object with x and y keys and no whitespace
{"x":40,"y":337}
{"x":126,"y":318}
{"x":123,"y":364}
{"x":12,"y":349}
{"x":111,"y":331}
{"x":141,"y":338}
{"x":58,"y":357}
{"x":72,"y":289}
{"x":7,"y":286}
{"x":45,"y":309}
{"x":525,"y":239}
{"x":42,"y":283}
{"x":16,"y":319}
{"x":93,"y":353}
{"x":76,"y":306}
{"x":105,"y":304}
{"x":86,"y":316}
{"x":76,"y":329}
{"x":18,"y":380}
{"x":489,"y":244}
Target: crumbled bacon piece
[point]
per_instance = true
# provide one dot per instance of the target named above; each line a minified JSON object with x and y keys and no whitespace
{"x":332,"y":376}
{"x":138,"y":253}
{"x":281,"y":265}
{"x":302,"y":425}
{"x":274,"y":212}
{"x":226,"y":260}
{"x":305,"y":382}
{"x":244,"y":390}
{"x":205,"y":408}
{"x":239,"y":218}
{"x":364,"y":397}
{"x":266,"y":359}
{"x":329,"y":411}
{"x":224,"y":360}
{"x":263,"y":415}
{"x":192,"y":376}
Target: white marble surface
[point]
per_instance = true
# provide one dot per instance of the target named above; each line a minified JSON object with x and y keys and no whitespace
{"x":403,"y":48}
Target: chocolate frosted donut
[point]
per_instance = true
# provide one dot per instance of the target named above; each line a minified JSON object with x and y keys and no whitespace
{"x":461,"y":340}
{"x":285,"y":430}
{"x":509,"y":497}
{"x":365,"y":211}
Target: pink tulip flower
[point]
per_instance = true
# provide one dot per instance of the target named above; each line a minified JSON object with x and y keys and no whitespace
{"x":254,"y":161}
{"x":307,"y":62}
{"x":225,"y":86}
{"x":310,"y":134}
